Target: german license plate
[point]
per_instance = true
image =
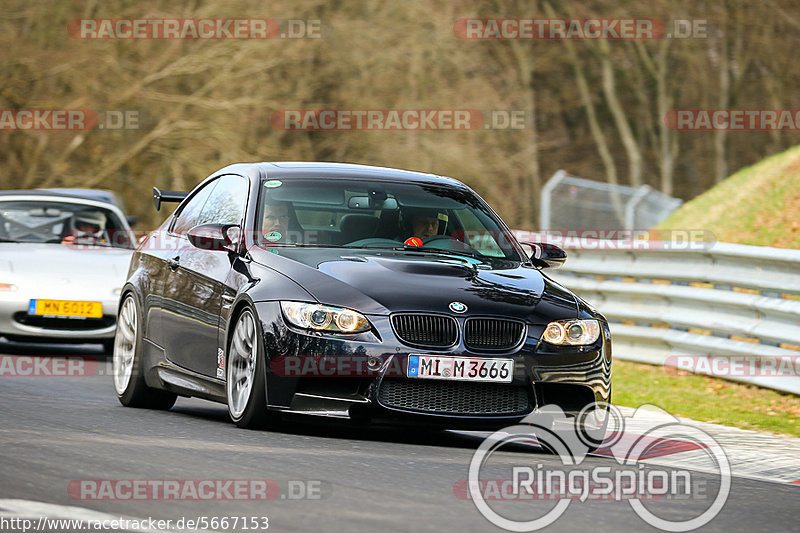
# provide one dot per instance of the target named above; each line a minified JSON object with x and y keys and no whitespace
{"x":460,"y":368}
{"x":69,"y":308}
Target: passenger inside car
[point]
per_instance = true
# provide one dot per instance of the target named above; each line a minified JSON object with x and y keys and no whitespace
{"x":276,"y":217}
{"x":279,"y":223}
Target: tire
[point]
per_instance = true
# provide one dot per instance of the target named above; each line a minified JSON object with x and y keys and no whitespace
{"x":245,"y":374}
{"x":127,"y":371}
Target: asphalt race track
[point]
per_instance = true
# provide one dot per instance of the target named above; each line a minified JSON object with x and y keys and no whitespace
{"x":56,"y":431}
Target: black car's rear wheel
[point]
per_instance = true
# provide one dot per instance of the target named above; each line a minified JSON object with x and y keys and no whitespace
{"x":126,"y":365}
{"x":246,"y":374}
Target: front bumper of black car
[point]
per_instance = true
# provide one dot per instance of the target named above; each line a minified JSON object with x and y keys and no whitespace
{"x":363,"y":377}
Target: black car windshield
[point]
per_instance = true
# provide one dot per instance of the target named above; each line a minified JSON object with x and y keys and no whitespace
{"x":46,"y":221}
{"x":379,"y":214}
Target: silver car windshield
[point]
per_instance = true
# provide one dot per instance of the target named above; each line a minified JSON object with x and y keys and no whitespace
{"x":40,"y":221}
{"x":379,"y":214}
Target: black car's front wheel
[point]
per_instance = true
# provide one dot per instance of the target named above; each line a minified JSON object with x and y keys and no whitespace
{"x":246,"y":374}
{"x":127,"y":366}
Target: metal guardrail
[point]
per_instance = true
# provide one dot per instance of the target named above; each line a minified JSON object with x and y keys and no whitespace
{"x":718,"y":307}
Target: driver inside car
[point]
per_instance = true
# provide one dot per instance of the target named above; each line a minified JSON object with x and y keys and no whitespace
{"x":421,"y":223}
{"x":85,"y":226}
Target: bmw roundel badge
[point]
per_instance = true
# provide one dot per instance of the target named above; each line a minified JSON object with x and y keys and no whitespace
{"x":458,"y":307}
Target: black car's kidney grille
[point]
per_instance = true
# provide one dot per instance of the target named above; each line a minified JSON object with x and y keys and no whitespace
{"x":492,"y":333}
{"x":454,"y":397}
{"x":435,"y":331}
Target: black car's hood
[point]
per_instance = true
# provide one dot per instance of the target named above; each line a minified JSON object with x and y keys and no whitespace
{"x":380,"y":282}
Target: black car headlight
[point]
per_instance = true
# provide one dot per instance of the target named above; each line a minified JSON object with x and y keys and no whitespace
{"x":324,"y":317}
{"x":579,"y":331}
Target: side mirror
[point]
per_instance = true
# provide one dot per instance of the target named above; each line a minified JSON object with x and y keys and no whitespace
{"x":215,"y":237}
{"x":546,"y":255}
{"x":132,"y":220}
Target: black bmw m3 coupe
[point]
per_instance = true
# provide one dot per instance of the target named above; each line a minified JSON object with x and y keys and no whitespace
{"x":357,"y":292}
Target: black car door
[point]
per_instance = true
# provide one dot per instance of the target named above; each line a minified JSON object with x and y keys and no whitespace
{"x":160,"y":257}
{"x":196,"y":280}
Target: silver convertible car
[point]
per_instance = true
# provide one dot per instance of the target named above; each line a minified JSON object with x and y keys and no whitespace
{"x":63,"y":261}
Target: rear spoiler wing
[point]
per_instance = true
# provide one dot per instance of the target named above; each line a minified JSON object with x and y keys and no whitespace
{"x":167,"y":196}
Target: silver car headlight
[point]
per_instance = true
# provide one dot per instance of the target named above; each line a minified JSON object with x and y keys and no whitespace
{"x":579,"y":331}
{"x":324,"y":317}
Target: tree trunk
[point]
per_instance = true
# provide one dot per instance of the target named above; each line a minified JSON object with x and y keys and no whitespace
{"x":620,"y":120}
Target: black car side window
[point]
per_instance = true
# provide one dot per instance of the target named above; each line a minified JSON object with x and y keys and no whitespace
{"x":190,"y":213}
{"x":227,"y":202}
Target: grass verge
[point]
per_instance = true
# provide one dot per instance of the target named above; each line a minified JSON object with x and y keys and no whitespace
{"x":757,"y":205}
{"x":706,"y":399}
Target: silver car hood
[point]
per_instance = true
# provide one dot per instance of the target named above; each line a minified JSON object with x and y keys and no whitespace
{"x":59,"y":271}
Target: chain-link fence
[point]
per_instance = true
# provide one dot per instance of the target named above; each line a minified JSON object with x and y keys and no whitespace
{"x":575,"y":203}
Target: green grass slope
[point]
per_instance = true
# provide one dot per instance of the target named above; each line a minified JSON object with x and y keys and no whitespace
{"x":758,"y":205}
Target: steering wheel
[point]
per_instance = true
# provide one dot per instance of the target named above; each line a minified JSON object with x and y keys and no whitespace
{"x":451,"y":241}
{"x":434,"y":238}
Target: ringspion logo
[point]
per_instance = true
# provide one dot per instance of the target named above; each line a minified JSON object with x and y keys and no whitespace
{"x":570,"y":438}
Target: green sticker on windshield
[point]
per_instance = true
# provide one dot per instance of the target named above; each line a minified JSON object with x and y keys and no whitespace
{"x":273,"y":236}
{"x":271,"y":184}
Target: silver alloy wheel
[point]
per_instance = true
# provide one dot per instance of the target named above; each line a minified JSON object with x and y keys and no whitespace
{"x":242,"y":357}
{"x":125,"y":345}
